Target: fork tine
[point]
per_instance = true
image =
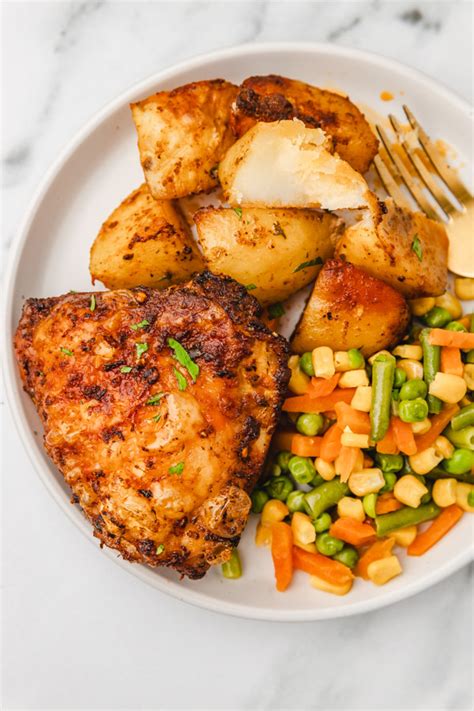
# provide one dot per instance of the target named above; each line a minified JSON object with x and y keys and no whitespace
{"x":446,"y":173}
{"x":389,"y":183}
{"x":415,"y":192}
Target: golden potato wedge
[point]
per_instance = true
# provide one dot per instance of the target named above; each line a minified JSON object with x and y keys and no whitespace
{"x":144,"y":242}
{"x":348,"y":308}
{"x":182,"y":135}
{"x":404,"y":248}
{"x":275,"y":98}
{"x":285,"y":164}
{"x":267,"y":248}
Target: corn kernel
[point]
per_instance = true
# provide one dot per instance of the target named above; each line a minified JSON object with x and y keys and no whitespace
{"x":303,"y":529}
{"x":462,"y":492}
{"x":382,"y":570}
{"x":374,"y":356}
{"x":422,"y":427}
{"x":412,"y":368}
{"x":450,"y":303}
{"x":404,"y":536}
{"x":263,"y":535}
{"x":409,"y":490}
{"x":353,"y":378}
{"x":464,"y":288}
{"x":362,"y":399}
{"x":410,"y":351}
{"x":349,"y":507}
{"x":323,"y":362}
{"x":274,"y":511}
{"x":468,"y":375}
{"x":420,"y":307}
{"x":341,"y":361}
{"x":448,"y":388}
{"x":367,"y":481}
{"x":351,"y":439}
{"x":323,"y":585}
{"x":443,"y":447}
{"x":444,"y":492}
{"x":299,"y":381}
{"x":423,"y":462}
{"x":325,"y":469}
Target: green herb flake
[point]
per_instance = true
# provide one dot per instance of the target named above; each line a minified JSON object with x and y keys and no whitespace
{"x":278,"y":229}
{"x":238,"y":212}
{"x":66,"y":351}
{"x":142,"y":324}
{"x":276,"y":310}
{"x":93,"y":303}
{"x":176,"y":468}
{"x":417,"y":248}
{"x":311,"y":263}
{"x":156,"y":418}
{"x":141,"y":349}
{"x":160,"y":549}
{"x":251,"y":287}
{"x":125,"y":368}
{"x":155,"y":399}
{"x":183,"y":357}
{"x":182,"y":382}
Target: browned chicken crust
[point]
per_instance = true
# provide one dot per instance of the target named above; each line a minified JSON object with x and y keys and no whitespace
{"x":162,"y":466}
{"x":276,"y":98}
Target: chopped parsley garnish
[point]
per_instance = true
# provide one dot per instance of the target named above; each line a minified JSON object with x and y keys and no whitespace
{"x":417,"y":248}
{"x":66,"y":351}
{"x":251,"y":287}
{"x":238,"y":212}
{"x":141,"y":349}
{"x":311,"y":263}
{"x":125,"y":368}
{"x":182,"y":382}
{"x":276,"y":310}
{"x":155,"y":399}
{"x":183,"y":357}
{"x":160,"y":549}
{"x":142,"y":324}
{"x":176,"y":468}
{"x":278,"y":229}
{"x":93,"y":303}
{"x":156,"y":418}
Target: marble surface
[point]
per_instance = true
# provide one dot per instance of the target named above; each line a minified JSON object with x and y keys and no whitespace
{"x":78,"y":632}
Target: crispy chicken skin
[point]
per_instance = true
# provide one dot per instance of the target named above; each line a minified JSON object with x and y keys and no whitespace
{"x":162,"y":466}
{"x":276,"y":98}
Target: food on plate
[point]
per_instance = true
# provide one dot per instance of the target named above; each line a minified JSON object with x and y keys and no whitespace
{"x":182,"y":136}
{"x":406,"y":249}
{"x":158,"y":409}
{"x":286,"y":164}
{"x":274,"y":252}
{"x":349,"y":308}
{"x":144,"y":242}
{"x":275,"y":98}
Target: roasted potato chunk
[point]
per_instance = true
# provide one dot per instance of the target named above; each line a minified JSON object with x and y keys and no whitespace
{"x":275,"y":98}
{"x":266,"y":248}
{"x":348,"y":308}
{"x":285,"y":164}
{"x":182,"y":135}
{"x":144,"y":242}
{"x":405,"y":249}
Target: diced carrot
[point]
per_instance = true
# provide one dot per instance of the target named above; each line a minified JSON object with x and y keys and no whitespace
{"x":282,"y":440}
{"x":388,"y":445}
{"x":465,"y":321}
{"x":404,"y":437}
{"x":386,"y":503}
{"x":331,"y":444}
{"x":454,"y":339}
{"x":439,"y":528}
{"x":368,"y":462}
{"x":351,"y":531}
{"x":316,"y":564}
{"x":451,"y":361}
{"x":305,"y":403}
{"x":379,"y":549}
{"x":306,"y":446}
{"x":438,"y":424}
{"x":346,"y":461}
{"x":282,"y":554}
{"x":347,"y":416}
{"x":320,"y":387}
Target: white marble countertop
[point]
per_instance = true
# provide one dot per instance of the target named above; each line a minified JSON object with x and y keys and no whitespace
{"x":81,"y":634}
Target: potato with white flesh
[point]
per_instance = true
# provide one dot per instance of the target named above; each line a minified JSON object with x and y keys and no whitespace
{"x":182,"y":135}
{"x":285,"y":164}
{"x":275,"y":98}
{"x":274,"y":252}
{"x":403,"y":248}
{"x":348,"y":308}
{"x":144,"y":242}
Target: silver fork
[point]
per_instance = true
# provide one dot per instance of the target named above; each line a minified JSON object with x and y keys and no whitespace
{"x":445,"y":200}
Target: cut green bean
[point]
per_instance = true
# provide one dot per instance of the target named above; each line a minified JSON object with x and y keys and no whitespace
{"x":407,"y":516}
{"x":279,"y":487}
{"x":438,"y":473}
{"x":389,"y":462}
{"x":431,"y":365}
{"x":464,"y":439}
{"x":318,"y":500}
{"x":437,"y":317}
{"x":383,"y":371}
{"x":301,"y":469}
{"x":232,"y":569}
{"x":455,"y":326}
{"x":463,"y":418}
{"x":368,"y":502}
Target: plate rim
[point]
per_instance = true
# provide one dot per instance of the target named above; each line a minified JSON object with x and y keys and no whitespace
{"x":13,"y":387}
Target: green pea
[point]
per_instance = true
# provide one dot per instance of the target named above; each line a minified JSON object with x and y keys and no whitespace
{"x":461,"y":462}
{"x":470,"y":498}
{"x":396,"y":394}
{"x":413,"y":389}
{"x":413,"y":410}
{"x":399,"y":378}
{"x":390,"y":481}
{"x":356,"y":359}
{"x":310,"y":423}
{"x":301,"y":469}
{"x":348,"y":556}
{"x":274,"y":470}
{"x":463,"y":438}
{"x":322,"y":523}
{"x":306,"y":364}
{"x":328,"y":545}
{"x":232,"y":569}
{"x":455,"y":326}
{"x":259,"y":499}
{"x":368,"y":502}
{"x":279,"y":487}
{"x":389,"y":462}
{"x":437,"y":317}
{"x":283,"y":459}
{"x":295,"y":501}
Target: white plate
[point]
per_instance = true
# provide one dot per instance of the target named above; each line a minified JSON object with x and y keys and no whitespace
{"x":50,"y":256}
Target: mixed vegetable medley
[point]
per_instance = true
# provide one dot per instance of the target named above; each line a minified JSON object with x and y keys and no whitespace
{"x":369,"y":451}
